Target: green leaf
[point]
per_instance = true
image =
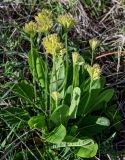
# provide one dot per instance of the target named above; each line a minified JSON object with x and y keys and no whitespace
{"x":58,"y":75}
{"x":37,"y":122}
{"x":60,"y":115}
{"x":13,"y":116}
{"x":40,"y":72}
{"x":88,"y":151}
{"x":95,"y":103}
{"x":75,"y":102}
{"x":93,"y":125}
{"x":92,"y":101}
{"x":68,"y":95}
{"x":74,"y":130}
{"x":114,"y":115}
{"x":78,"y":142}
{"x":103,"y":121}
{"x":57,"y":135}
{"x":71,"y":141}
{"x":24,"y":90}
{"x":105,"y":96}
{"x":96,"y":85}
{"x":32,"y":56}
{"x":85,"y":148}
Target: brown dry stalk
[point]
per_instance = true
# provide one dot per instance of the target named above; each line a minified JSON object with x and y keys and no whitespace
{"x":110,"y":53}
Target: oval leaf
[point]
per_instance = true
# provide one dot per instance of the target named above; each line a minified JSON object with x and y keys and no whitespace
{"x":103,"y":121}
{"x":37,"y":122}
{"x":57,"y":135}
{"x":24,"y":90}
{"x":88,"y":151}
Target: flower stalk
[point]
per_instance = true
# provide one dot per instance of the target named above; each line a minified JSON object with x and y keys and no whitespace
{"x":34,"y":71}
{"x":67,"y":57}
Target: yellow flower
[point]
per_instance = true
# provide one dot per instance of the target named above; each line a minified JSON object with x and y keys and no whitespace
{"x":56,"y":96}
{"x":94,"y":71}
{"x":52,"y":44}
{"x":30,"y":27}
{"x":93,"y":43}
{"x":44,"y":21}
{"x":75,"y":57}
{"x":66,"y":20}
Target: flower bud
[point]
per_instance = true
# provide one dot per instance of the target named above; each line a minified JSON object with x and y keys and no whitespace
{"x":75,"y":57}
{"x":56,"y":96}
{"x":93,"y":43}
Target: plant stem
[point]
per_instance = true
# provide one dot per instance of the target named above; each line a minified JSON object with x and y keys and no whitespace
{"x":47,"y":90}
{"x":54,"y":71}
{"x":34,"y":84}
{"x":75,"y":75}
{"x":67,"y":58}
{"x":46,"y":82}
{"x":92,"y":57}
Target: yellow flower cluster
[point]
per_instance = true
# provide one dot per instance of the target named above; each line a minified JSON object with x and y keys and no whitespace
{"x":30,"y":27}
{"x":52,"y":44}
{"x":94,"y":71}
{"x":67,"y":21}
{"x":93,"y":43}
{"x":44,"y":21}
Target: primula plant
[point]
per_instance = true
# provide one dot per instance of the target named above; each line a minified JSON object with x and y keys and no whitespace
{"x":67,"y":98}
